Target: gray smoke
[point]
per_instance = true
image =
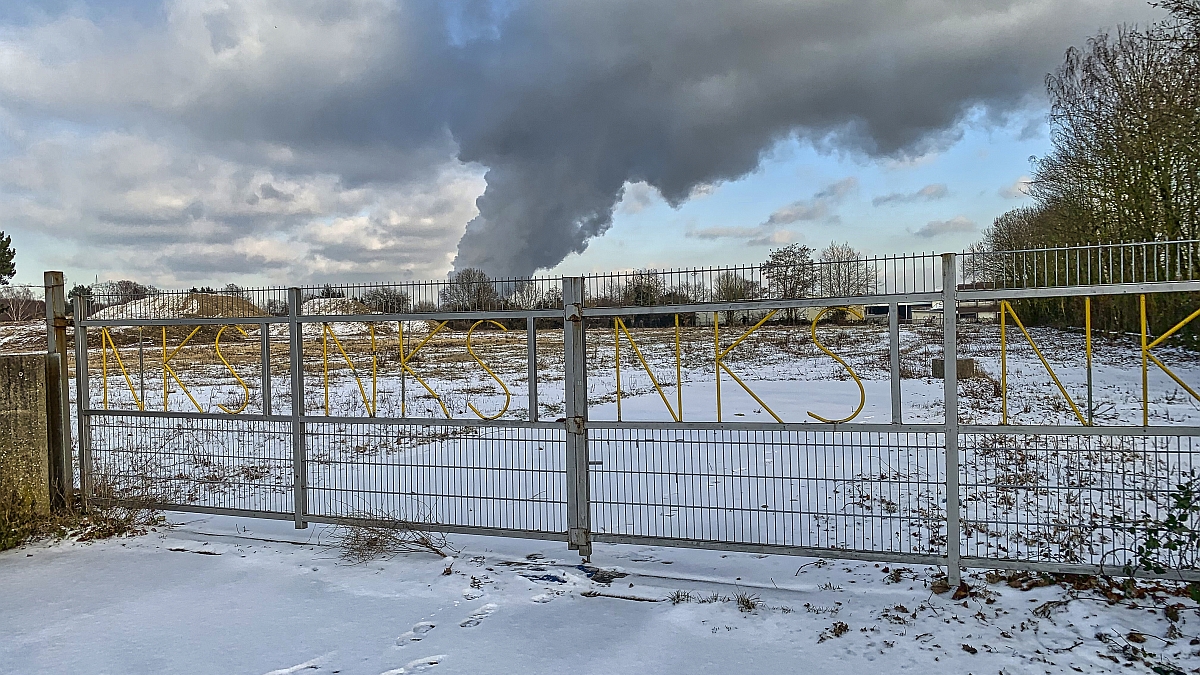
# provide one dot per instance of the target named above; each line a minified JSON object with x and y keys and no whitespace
{"x":575,"y":99}
{"x":563,"y":102}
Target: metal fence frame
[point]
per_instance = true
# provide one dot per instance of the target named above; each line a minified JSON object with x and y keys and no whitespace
{"x":576,"y":309}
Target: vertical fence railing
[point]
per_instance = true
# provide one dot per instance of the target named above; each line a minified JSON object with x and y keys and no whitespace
{"x":82,"y":400}
{"x":296,"y":359}
{"x":950,"y":387}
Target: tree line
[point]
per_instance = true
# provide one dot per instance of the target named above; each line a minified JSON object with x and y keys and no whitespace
{"x":1124,"y":167}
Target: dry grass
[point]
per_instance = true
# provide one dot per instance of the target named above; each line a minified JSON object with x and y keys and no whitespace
{"x":20,"y":523}
{"x":368,"y":536}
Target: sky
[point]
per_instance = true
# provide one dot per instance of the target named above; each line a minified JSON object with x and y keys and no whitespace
{"x":294,"y":141}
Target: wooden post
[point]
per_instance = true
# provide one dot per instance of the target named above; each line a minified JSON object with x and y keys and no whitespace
{"x":58,"y":393}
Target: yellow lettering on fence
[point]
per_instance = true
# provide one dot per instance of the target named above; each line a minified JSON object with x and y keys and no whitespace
{"x":326,"y":333}
{"x":168,"y":371}
{"x":862,"y":393}
{"x":405,"y":358}
{"x":507,"y":393}
{"x":1148,"y":356}
{"x":1006,"y":307}
{"x":618,"y":328}
{"x":720,"y":363}
{"x":106,"y":342}
{"x":245,"y":389}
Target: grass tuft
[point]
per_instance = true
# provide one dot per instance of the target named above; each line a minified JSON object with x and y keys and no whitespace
{"x":680,"y":597}
{"x":747,"y":602}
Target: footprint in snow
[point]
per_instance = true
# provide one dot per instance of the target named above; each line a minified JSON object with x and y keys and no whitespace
{"x":475,"y":618}
{"x":418,"y":666}
{"x":314,"y":664}
{"x":416,"y":634}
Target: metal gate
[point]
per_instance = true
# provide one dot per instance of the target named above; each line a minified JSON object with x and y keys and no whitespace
{"x":318,"y":445}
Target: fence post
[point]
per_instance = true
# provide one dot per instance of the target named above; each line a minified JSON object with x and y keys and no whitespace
{"x":264,"y":336}
{"x":82,"y":400}
{"x":894,"y":357}
{"x":950,"y":382}
{"x":531,"y":348}
{"x":296,"y":350}
{"x":579,"y":515}
{"x":58,"y":388}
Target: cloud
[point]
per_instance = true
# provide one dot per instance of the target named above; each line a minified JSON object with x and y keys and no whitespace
{"x":753,"y":236}
{"x":357,"y":110}
{"x":134,"y":207}
{"x":928,"y":193}
{"x":936,"y":228}
{"x":818,"y":207}
{"x":1018,"y":190}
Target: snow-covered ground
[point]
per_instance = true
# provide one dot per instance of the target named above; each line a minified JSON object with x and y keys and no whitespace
{"x":228,"y":595}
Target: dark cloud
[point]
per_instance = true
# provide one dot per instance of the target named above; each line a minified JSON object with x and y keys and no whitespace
{"x":562,"y":102}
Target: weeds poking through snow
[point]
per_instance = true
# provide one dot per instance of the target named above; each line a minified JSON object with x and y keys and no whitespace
{"x":837,"y":630}
{"x":680,"y":597}
{"x":747,"y":602}
{"x":829,"y":586}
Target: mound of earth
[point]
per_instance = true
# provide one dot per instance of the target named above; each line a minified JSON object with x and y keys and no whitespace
{"x":182,"y":306}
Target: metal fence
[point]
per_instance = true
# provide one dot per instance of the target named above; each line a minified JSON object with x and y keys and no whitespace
{"x":320,"y":404}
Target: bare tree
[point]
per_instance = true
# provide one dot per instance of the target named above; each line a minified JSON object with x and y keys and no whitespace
{"x":120,"y":292}
{"x":526,"y":295}
{"x":470,"y":289}
{"x":732,"y":287}
{"x":841,"y":272}
{"x":387,"y":300}
{"x":790,"y":274}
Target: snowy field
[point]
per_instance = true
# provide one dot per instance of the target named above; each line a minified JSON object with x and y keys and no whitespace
{"x":226,"y":595}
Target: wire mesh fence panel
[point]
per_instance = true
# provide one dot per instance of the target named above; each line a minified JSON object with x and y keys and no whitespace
{"x":1072,"y":499}
{"x":842,"y":278}
{"x":467,"y":291}
{"x":855,"y":491}
{"x":458,"y":403}
{"x":213,"y":463}
{"x":501,"y":478}
{"x":1100,"y":264}
{"x":429,"y":370}
{"x":124,"y":301}
{"x":208,"y":369}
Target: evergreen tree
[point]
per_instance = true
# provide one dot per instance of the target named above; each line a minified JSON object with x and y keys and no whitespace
{"x":8,"y":268}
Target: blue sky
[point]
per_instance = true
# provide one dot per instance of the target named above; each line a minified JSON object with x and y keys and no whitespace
{"x":982,"y":172}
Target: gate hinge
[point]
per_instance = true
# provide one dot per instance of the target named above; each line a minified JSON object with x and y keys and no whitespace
{"x":577,"y":537}
{"x":576,"y":425}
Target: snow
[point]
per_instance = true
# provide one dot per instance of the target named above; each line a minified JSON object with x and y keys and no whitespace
{"x":230,"y":595}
